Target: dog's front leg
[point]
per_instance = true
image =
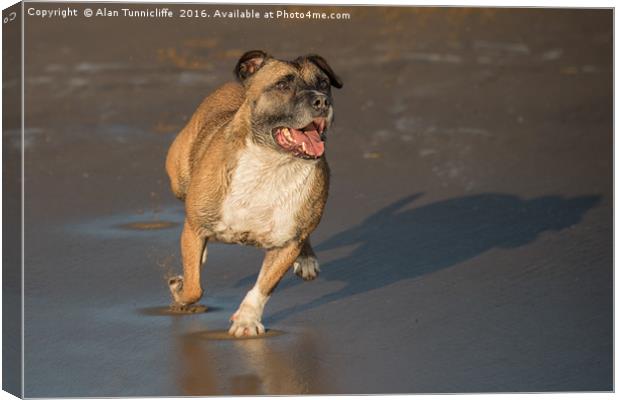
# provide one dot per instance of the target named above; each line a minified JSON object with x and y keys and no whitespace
{"x":186,"y":289}
{"x":246,"y":321}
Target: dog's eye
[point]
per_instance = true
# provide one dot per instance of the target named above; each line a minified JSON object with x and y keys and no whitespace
{"x":323,"y":84}
{"x":282,"y":85}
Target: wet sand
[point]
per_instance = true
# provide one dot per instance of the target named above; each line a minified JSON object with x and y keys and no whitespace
{"x":466,"y":245}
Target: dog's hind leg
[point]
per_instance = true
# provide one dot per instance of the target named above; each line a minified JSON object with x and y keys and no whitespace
{"x":246,"y":321}
{"x":306,"y":266}
{"x":186,"y":289}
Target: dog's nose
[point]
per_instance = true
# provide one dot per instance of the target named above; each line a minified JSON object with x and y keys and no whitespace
{"x":321,"y":102}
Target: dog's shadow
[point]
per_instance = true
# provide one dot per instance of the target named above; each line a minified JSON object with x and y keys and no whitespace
{"x":399,"y":242}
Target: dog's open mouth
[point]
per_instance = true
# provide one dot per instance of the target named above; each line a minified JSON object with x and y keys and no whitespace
{"x":307,"y":142}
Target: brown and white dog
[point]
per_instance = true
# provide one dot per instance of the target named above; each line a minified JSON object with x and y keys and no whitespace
{"x":251,"y":168}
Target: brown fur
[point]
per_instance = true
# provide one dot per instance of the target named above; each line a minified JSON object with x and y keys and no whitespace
{"x":211,"y":165}
{"x":189,"y":145}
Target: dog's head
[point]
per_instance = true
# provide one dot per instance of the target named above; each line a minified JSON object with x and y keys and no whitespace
{"x":290,"y":101}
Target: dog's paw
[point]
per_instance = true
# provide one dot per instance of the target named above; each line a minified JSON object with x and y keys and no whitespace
{"x":246,"y":328}
{"x":176,"y":288}
{"x":245,"y":322}
{"x":306,"y":268}
{"x":180,"y":297}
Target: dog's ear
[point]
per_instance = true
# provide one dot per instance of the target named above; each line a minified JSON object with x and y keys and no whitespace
{"x":249,"y":63}
{"x":320,"y":62}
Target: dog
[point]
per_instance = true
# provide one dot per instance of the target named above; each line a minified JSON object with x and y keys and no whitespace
{"x":250,"y":166}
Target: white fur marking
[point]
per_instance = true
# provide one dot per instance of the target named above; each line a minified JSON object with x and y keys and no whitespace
{"x":266,"y":192}
{"x":256,"y":300}
{"x":246,"y":320}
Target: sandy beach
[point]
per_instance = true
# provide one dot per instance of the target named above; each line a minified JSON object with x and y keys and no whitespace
{"x":467,"y":240}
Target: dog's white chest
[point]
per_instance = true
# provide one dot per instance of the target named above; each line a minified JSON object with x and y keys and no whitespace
{"x":266,"y":192}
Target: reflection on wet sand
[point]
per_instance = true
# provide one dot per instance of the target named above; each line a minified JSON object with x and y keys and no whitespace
{"x":209,"y":363}
{"x":223,"y":335}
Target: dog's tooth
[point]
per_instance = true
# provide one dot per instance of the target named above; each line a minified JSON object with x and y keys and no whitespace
{"x":303,"y":147}
{"x":287,"y":135}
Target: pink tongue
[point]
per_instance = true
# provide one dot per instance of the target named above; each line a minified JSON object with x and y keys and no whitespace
{"x":312,"y":140}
